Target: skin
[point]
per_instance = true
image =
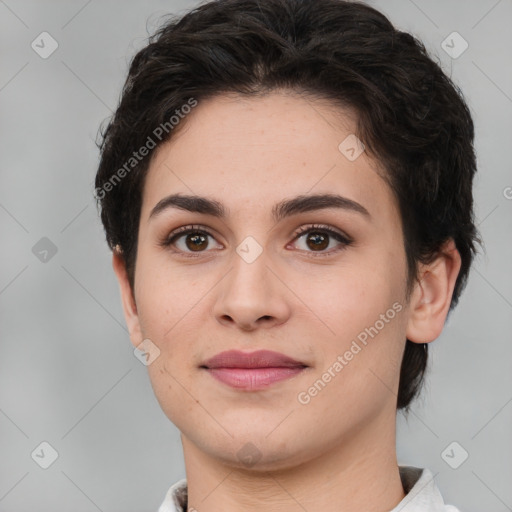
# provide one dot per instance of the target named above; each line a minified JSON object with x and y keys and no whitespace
{"x":337,"y":452}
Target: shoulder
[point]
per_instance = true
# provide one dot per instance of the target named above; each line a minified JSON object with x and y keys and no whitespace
{"x":422,"y":493}
{"x":175,"y":498}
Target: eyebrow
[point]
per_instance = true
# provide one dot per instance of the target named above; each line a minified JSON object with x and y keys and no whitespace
{"x":281,"y":210}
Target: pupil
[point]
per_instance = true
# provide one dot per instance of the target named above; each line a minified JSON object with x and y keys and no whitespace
{"x":318,"y":239}
{"x":196,"y":241}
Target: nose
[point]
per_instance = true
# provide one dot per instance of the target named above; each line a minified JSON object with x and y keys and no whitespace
{"x":253,"y":295}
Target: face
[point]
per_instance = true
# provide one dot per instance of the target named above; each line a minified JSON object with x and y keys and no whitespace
{"x":324,"y":286}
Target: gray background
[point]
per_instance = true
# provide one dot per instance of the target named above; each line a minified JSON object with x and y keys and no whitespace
{"x":68,"y":375}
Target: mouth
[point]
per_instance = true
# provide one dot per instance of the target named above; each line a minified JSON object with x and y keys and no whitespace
{"x":254,"y":370}
{"x":253,"y":378}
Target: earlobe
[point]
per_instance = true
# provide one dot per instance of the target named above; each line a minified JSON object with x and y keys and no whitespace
{"x":127,"y":299}
{"x":432,"y":294}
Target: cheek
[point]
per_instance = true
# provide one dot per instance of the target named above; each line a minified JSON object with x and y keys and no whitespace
{"x":360,"y":363}
{"x":165,"y":295}
{"x":363,"y":305}
{"x":352,"y":296}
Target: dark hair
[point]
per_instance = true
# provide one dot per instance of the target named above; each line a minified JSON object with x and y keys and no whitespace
{"x":410,"y":116}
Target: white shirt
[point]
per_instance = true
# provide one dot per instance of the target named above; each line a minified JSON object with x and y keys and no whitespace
{"x":422,"y":494}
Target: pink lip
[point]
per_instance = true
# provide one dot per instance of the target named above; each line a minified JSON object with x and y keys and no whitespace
{"x":253,"y":378}
{"x":253,"y":370}
{"x":257,"y":359}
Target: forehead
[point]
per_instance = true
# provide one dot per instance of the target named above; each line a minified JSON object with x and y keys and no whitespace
{"x":255,"y":151}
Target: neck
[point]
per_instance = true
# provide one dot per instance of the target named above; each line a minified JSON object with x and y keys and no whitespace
{"x":360,"y":473}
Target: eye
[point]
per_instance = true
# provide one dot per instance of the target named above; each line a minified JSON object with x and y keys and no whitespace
{"x":188,"y":239}
{"x":317,"y":237}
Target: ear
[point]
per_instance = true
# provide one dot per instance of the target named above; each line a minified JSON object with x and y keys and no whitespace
{"x":127,"y":299}
{"x":432,"y":294}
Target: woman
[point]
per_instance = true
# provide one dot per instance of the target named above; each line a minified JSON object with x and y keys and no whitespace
{"x":286,"y":187}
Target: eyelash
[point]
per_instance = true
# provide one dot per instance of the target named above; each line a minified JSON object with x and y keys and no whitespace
{"x":322,"y":228}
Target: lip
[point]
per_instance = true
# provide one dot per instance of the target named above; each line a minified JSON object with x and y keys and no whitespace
{"x":252,"y":370}
{"x":253,"y":378}
{"x":257,"y":359}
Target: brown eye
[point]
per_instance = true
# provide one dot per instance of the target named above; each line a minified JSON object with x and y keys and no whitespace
{"x":189,"y":239}
{"x":196,"y":241}
{"x":317,"y":241}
